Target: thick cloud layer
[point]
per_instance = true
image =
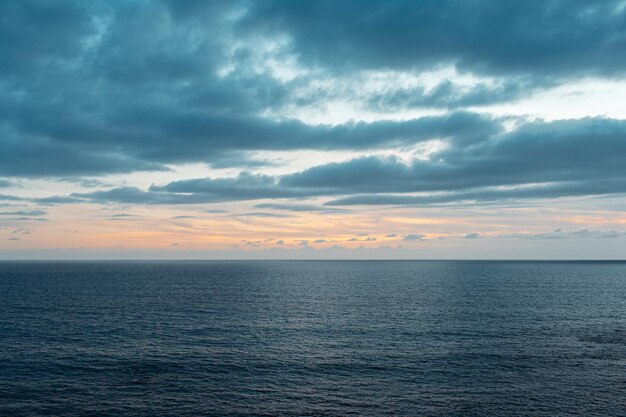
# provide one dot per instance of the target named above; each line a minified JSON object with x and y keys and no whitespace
{"x":540,"y":160}
{"x":91,"y":88}
{"x":545,"y":38}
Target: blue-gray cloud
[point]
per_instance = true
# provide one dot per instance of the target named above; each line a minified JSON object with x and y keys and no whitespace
{"x":5,"y":197}
{"x":119,"y":90}
{"x":24,"y":213}
{"x":414,"y":237}
{"x":447,"y":95}
{"x":91,"y":88}
{"x":558,"y":234}
{"x":244,"y":187}
{"x":538,"y":160}
{"x":538,"y":37}
{"x":262,"y":214}
{"x":299,"y":207}
{"x":471,"y":236}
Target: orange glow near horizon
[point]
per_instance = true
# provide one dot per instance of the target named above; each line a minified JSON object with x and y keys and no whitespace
{"x":166,"y":228}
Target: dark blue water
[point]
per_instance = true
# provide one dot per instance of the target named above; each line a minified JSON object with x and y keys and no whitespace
{"x":313,"y":338}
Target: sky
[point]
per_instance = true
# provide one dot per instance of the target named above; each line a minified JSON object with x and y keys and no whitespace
{"x":350,"y":129}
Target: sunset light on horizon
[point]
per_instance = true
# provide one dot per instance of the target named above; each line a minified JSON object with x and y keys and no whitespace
{"x":192,"y":130}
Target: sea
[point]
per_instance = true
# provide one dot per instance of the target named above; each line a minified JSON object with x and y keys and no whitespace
{"x":313,"y":338}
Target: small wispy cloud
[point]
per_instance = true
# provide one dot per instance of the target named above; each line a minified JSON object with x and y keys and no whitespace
{"x":414,"y":237}
{"x":24,"y":213}
{"x":471,"y":236}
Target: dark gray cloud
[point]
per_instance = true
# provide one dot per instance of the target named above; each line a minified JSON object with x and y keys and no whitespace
{"x":486,"y":195}
{"x":244,"y":187}
{"x":35,"y":34}
{"x":133,"y":195}
{"x":544,"y":38}
{"x":541,"y":159}
{"x":450,"y":96}
{"x":538,"y":160}
{"x":178,"y":135}
{"x":90,"y":88}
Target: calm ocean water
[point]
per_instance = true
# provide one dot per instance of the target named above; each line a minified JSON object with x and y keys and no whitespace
{"x":313,"y":338}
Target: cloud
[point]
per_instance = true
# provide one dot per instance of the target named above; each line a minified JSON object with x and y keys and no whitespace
{"x":246,"y":186}
{"x":23,"y":155}
{"x":414,"y":237}
{"x":579,"y":150}
{"x":118,"y":87}
{"x":567,"y":38}
{"x":54,"y":200}
{"x":299,"y":207}
{"x":241,"y":160}
{"x":24,"y":213}
{"x":558,"y":234}
{"x":262,"y":214}
{"x":5,"y":197}
{"x":201,"y":137}
{"x":448,"y":95}
{"x":538,"y":160}
{"x":137,"y":87}
{"x":471,"y":236}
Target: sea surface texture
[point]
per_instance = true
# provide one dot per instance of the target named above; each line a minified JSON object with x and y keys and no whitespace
{"x":313,"y":338}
